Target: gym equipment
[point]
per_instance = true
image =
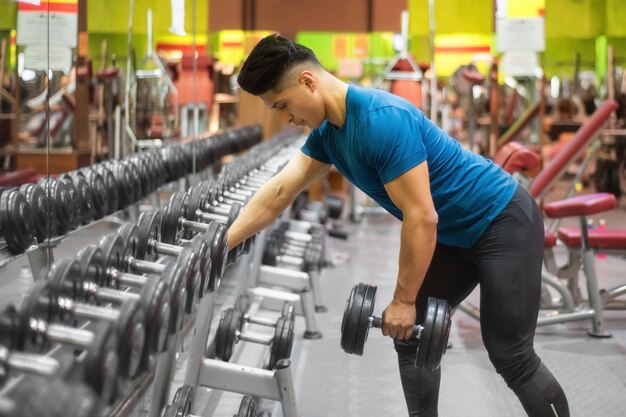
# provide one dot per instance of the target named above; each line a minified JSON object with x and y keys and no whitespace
{"x":247,"y":407}
{"x":187,"y":262}
{"x":99,"y":191}
{"x":274,"y":255}
{"x":62,"y":208}
{"x":39,"y":206}
{"x":196,"y":205}
{"x":16,"y":221}
{"x":229,"y":332}
{"x":358,"y":318}
{"x":112,"y":269}
{"x":148,"y":246}
{"x":28,"y":329}
{"x":84,"y":195}
{"x":174,"y":223}
{"x":28,"y":363}
{"x":86,"y":280}
{"x":242,"y":304}
{"x":128,"y":320}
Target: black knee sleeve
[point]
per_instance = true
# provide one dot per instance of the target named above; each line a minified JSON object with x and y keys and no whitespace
{"x":421,"y":387}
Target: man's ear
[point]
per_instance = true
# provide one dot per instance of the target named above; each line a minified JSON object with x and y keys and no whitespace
{"x":307,"y":78}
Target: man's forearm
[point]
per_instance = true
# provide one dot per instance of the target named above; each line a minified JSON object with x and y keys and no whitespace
{"x":417,"y":244}
{"x":266,"y":204}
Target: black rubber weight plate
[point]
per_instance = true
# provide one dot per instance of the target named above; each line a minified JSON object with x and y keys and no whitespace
{"x":351,"y":316}
{"x":364,"y":324}
{"x":422,"y":360}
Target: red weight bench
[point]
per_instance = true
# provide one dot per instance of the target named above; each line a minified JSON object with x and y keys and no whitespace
{"x":582,"y":247}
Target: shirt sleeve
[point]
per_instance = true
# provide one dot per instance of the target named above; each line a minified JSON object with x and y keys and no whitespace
{"x":392,"y":141}
{"x":313,"y":147}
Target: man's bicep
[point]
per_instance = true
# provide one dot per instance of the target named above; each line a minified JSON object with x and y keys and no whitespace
{"x":299,"y":172}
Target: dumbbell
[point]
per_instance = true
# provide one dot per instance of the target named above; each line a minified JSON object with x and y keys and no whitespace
{"x":174,"y":223}
{"x":188,"y":260}
{"x":16,"y":221}
{"x":110,"y":183}
{"x":62,"y":210}
{"x":85,"y":280}
{"x":128,"y":321}
{"x":310,"y":261}
{"x":242,"y":304}
{"x":32,"y":397}
{"x":229,"y":332}
{"x":99,"y":192}
{"x":181,"y":404}
{"x":198,"y":209}
{"x":40,"y":208}
{"x":84,"y":195}
{"x":175,"y":274}
{"x":358,"y":318}
{"x":148,"y":246}
{"x":25,"y":363}
{"x":28,"y":329}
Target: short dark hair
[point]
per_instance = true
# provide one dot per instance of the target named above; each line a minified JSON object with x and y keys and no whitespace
{"x":268,"y":62}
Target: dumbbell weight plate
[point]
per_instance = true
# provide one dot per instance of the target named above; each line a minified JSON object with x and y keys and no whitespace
{"x":129,"y":326}
{"x":282,"y":341}
{"x":434,"y":337}
{"x":184,"y":399}
{"x":101,"y":363}
{"x":99,"y":192}
{"x":352,"y":326}
{"x":247,"y":407}
{"x":149,"y":228}
{"x":225,"y":337}
{"x":110,"y":183}
{"x":172,"y":411}
{"x":171,"y":230}
{"x":39,"y":206}
{"x":155,"y":300}
{"x":289,"y":311}
{"x":85,"y":198}
{"x":16,"y":221}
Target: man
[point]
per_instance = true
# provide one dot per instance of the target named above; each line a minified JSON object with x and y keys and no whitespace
{"x":464,"y":220}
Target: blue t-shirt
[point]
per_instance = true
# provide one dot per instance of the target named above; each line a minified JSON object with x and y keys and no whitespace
{"x":384,"y":136}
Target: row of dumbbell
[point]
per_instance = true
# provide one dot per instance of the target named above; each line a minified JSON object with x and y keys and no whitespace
{"x":294,"y":249}
{"x":183,"y":401}
{"x":131,"y":336}
{"x":56,"y":206}
{"x":139,"y":330}
{"x":200,"y":154}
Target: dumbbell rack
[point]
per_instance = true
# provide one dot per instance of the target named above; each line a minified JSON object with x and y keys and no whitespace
{"x":41,"y":255}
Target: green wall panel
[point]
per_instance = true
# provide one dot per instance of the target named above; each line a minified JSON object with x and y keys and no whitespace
{"x":451,"y":16}
{"x":112,"y":16}
{"x":575,"y":18}
{"x":560,"y":55}
{"x":8,"y":14}
{"x":616,"y":18}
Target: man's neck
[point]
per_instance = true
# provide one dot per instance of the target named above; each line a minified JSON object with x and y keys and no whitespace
{"x":335,"y":100}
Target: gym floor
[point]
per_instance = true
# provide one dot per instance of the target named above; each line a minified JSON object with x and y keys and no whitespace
{"x":329,"y":382}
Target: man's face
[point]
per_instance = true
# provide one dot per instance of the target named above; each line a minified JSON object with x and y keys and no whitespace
{"x":299,"y":101}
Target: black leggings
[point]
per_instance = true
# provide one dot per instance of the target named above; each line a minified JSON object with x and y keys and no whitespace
{"x":506,"y":264}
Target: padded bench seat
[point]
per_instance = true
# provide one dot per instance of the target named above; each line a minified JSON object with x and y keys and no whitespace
{"x":549,"y":239}
{"x":598,"y":239}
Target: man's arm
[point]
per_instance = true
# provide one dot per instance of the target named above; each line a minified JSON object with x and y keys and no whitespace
{"x":411,"y":193}
{"x":275,"y":196}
